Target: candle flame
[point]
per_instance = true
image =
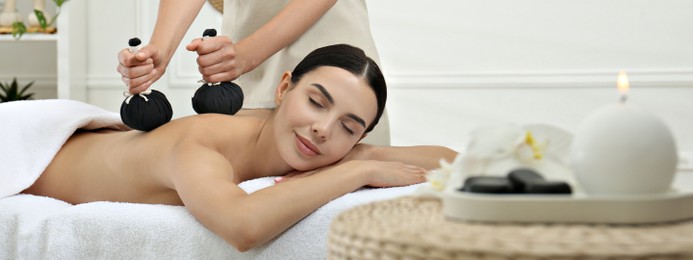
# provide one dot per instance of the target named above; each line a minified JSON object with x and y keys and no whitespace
{"x":623,"y":85}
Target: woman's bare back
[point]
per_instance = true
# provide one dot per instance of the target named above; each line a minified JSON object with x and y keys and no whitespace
{"x":109,"y":165}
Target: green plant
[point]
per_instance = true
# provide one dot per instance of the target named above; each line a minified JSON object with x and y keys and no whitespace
{"x":11,"y":92}
{"x":19,"y":28}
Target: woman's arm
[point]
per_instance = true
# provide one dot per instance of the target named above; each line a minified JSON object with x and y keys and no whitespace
{"x":173,"y":20}
{"x":203,"y":180}
{"x":222,"y":60}
{"x":425,"y":156}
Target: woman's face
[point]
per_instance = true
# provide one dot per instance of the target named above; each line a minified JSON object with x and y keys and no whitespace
{"x":320,"y":118}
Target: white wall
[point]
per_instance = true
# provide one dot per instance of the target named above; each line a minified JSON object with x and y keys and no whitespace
{"x":456,"y":64}
{"x":475,"y":62}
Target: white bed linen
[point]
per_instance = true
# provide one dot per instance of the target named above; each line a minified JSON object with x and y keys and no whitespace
{"x":35,"y":227}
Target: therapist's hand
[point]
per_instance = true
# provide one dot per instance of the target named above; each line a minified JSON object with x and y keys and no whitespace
{"x":219,"y":59}
{"x":139,"y":71}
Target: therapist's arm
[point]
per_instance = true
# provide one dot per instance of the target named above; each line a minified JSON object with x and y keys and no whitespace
{"x":173,"y":20}
{"x":220,"y":59}
{"x":284,"y":28}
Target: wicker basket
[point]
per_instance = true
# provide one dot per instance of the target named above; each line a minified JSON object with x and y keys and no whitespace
{"x":415,"y":228}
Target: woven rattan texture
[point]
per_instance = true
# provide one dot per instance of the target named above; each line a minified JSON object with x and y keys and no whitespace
{"x":415,"y":228}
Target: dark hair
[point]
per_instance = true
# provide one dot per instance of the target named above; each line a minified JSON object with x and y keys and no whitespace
{"x":351,"y":59}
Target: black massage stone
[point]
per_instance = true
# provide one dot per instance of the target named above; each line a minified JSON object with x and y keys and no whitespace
{"x":548,"y":187}
{"x":488,"y":184}
{"x":522,"y":177}
{"x":146,"y":115}
{"x":531,"y":182}
{"x":518,"y":181}
{"x":223,"y":98}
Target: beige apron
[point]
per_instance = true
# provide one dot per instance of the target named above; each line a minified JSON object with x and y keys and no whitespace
{"x":346,"y":22}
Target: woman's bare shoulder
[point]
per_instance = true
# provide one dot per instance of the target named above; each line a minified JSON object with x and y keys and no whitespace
{"x":209,"y":125}
{"x":221,"y":133}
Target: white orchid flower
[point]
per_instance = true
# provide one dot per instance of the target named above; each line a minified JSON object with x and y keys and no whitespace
{"x":497,"y":149}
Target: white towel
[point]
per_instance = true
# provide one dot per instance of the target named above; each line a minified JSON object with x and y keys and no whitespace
{"x":32,"y":132}
{"x":35,"y":227}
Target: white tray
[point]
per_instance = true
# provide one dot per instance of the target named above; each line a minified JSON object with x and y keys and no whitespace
{"x":674,"y":205}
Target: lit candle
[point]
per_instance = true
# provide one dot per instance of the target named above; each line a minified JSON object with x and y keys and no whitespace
{"x":623,"y":86}
{"x":621,"y":149}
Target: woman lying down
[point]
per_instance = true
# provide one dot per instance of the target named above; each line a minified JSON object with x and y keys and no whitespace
{"x":331,"y":100}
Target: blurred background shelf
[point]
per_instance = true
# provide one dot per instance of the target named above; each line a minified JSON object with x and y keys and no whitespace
{"x":29,"y":37}
{"x":56,"y":63}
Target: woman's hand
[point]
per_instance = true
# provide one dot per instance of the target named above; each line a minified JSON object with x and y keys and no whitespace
{"x":392,"y":174}
{"x":219,"y":59}
{"x":140,"y":70}
{"x":375,"y":173}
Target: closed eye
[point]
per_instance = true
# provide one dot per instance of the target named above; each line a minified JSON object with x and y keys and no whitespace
{"x":347,"y":129}
{"x":315,"y":103}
